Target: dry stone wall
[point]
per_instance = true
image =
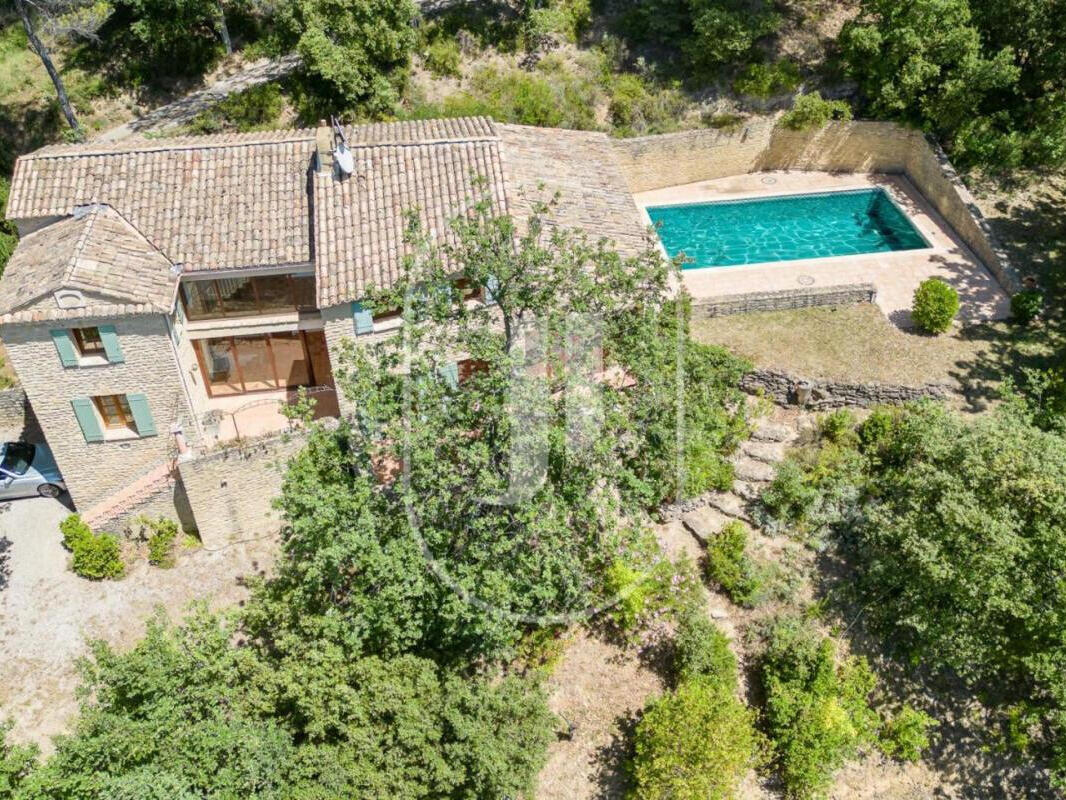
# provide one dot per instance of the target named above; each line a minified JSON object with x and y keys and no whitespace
{"x":784,"y":300}
{"x":787,"y":389}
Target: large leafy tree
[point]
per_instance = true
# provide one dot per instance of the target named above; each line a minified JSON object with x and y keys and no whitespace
{"x":356,"y":53}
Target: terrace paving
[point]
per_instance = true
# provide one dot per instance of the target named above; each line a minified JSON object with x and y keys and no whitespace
{"x":895,"y":274}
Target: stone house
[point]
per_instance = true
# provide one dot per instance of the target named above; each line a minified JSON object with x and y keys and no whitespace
{"x":169,"y":296}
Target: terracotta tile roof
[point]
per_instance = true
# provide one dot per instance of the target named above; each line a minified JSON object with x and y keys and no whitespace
{"x":433,"y":166}
{"x":207,"y":202}
{"x":97,"y":253}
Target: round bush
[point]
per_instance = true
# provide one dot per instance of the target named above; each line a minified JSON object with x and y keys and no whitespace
{"x":98,"y":556}
{"x":935,"y":306}
{"x":1027,"y":304}
{"x":702,"y":652}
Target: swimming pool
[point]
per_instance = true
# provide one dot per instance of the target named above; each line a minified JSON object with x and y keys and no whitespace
{"x":785,"y":228}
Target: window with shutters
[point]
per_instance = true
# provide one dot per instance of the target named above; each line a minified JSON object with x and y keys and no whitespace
{"x":114,"y":411}
{"x":88,"y":342}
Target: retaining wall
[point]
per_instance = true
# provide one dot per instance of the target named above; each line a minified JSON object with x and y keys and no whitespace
{"x":784,"y":300}
{"x":654,"y":162}
{"x":230,"y":491}
{"x":781,"y":387}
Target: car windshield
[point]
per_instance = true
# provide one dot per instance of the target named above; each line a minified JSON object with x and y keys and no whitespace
{"x":17,"y":458}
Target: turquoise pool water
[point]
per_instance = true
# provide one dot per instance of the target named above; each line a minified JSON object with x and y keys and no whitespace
{"x":728,"y":232}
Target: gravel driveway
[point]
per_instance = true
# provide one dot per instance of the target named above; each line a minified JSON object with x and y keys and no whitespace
{"x":48,"y":614}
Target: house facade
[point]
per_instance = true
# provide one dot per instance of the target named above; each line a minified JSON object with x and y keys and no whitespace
{"x":170,"y":295}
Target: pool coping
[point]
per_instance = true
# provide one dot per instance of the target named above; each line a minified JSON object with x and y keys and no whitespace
{"x":887,"y":189}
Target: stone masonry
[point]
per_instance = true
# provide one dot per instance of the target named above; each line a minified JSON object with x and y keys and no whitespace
{"x":784,"y":300}
{"x":785,"y":389}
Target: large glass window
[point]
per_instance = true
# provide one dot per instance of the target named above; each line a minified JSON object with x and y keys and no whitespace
{"x":241,"y":297}
{"x":238,"y":364}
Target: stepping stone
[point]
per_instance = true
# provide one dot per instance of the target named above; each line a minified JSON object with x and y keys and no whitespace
{"x":703,"y":523}
{"x":729,"y":504}
{"x":748,"y":469}
{"x":771,"y":432}
{"x":770,"y":452}
{"x":747,"y":491}
{"x":676,"y":539}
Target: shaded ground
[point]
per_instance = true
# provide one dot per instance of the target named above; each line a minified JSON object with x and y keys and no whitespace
{"x":47,"y":613}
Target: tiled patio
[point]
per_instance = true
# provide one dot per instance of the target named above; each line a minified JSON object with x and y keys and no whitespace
{"x":248,"y":416}
{"x":895,"y":274}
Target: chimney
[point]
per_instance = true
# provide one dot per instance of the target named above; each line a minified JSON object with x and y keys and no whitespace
{"x":324,"y":145}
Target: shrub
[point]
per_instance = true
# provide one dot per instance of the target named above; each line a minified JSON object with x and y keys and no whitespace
{"x":98,"y":557}
{"x":730,"y":567}
{"x":443,"y":58}
{"x":253,"y":109}
{"x":664,"y":587}
{"x":565,"y":18}
{"x":724,"y":122}
{"x":839,"y":427}
{"x":694,"y":744}
{"x":1027,"y":304}
{"x":817,"y":707}
{"x":765,"y":80}
{"x":935,"y":306}
{"x":16,"y":762}
{"x":790,"y":496}
{"x":638,"y":109}
{"x":74,"y":530}
{"x":702,"y":652}
{"x":810,"y":111}
{"x":161,"y":542}
{"x":877,"y":428}
{"x":906,"y":735}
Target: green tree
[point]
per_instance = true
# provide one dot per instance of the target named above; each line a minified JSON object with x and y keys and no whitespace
{"x":356,"y":53}
{"x":8,"y":233}
{"x":923,"y":62}
{"x":145,"y":40}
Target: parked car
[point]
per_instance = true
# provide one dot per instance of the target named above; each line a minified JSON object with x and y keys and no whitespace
{"x":28,"y":470}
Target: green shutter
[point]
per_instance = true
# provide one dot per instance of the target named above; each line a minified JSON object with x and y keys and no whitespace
{"x":142,"y":415}
{"x":65,"y":347}
{"x":450,"y":374}
{"x":364,"y":320}
{"x":86,"y":414}
{"x":112,"y":349}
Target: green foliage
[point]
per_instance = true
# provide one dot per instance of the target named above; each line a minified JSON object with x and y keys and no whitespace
{"x":97,"y":556}
{"x":906,"y":735}
{"x":729,"y":566}
{"x":443,"y":58}
{"x":725,"y":122}
{"x":258,"y":108}
{"x":839,"y":427}
{"x":8,"y":233}
{"x":565,"y":18}
{"x":356,"y":53}
{"x":791,"y":495}
{"x":16,"y":763}
{"x":161,"y":541}
{"x":637,"y":108}
{"x":817,"y":707}
{"x":701,"y":652}
{"x":696,"y":743}
{"x":810,"y":111}
{"x":1026,"y":305}
{"x":935,"y":305}
{"x":661,"y":590}
{"x":765,"y":80}
{"x":74,"y":530}
{"x":144,"y":41}
{"x":877,"y":428}
{"x":213,"y":719}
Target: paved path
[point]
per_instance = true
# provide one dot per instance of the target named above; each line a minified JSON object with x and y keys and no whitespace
{"x":182,"y":111}
{"x":47,"y":613}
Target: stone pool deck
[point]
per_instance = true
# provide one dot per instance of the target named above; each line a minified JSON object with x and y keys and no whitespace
{"x":894,"y":274}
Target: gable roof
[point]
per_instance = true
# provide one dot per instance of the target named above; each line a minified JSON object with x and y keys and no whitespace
{"x":245,"y":200}
{"x":207,"y":202}
{"x":439,"y":168}
{"x":96,"y":253}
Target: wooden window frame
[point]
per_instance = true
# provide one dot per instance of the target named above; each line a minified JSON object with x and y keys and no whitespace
{"x":123,"y":419}
{"x":259,"y":310}
{"x":77,"y":334}
{"x":232,"y":341}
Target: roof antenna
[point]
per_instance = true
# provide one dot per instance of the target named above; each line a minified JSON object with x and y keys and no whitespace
{"x":342,"y":156}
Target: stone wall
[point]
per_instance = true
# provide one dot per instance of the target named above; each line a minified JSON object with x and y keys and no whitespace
{"x":230,"y":490}
{"x":784,"y":300}
{"x":169,"y":500}
{"x":654,"y":162}
{"x":94,"y":471}
{"x":17,"y":420}
{"x":781,"y":387}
